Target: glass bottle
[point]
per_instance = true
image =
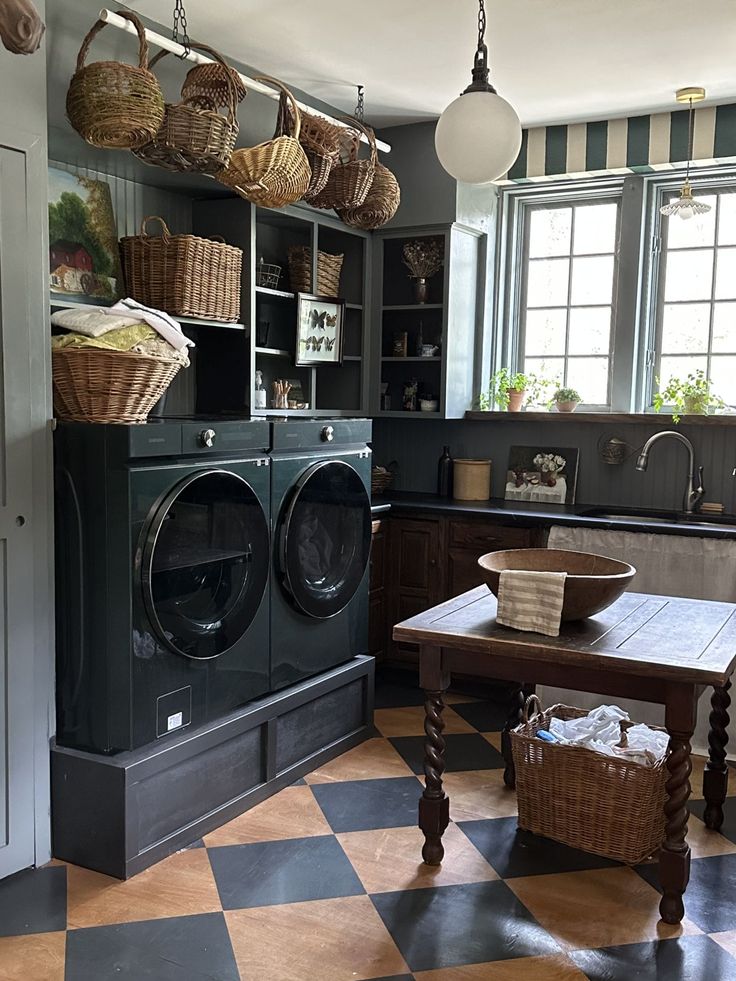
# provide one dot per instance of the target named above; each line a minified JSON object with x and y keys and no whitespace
{"x":444,"y":473}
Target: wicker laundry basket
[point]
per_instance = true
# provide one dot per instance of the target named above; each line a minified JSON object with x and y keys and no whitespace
{"x":329,"y":268}
{"x":601,"y":804}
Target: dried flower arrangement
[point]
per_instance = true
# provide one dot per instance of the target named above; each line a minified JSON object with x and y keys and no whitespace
{"x":424,"y":257}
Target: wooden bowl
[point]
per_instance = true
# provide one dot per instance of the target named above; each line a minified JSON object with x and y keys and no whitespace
{"x":593,"y":581}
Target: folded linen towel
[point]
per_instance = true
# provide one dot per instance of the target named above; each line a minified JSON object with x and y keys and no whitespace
{"x":92,"y":322}
{"x":161,"y":322}
{"x":531,"y":600}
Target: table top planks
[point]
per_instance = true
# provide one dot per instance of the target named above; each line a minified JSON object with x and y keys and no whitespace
{"x":668,"y":637}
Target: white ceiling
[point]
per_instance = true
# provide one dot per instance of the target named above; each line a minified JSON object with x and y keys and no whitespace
{"x":554,"y":60}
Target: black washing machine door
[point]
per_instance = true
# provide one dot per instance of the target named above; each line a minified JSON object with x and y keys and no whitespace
{"x":205,"y":564}
{"x":325,"y":538}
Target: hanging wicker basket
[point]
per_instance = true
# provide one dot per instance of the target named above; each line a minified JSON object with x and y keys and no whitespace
{"x":94,"y":385}
{"x":351,"y":178}
{"x":320,"y":139}
{"x":194,"y":137}
{"x":113,"y":105}
{"x":275,"y":173}
{"x":214,"y":83}
{"x":329,"y":268}
{"x":380,"y":205}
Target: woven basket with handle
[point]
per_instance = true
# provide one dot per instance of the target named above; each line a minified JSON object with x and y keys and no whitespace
{"x":320,"y":139}
{"x":214,"y":83}
{"x":381,"y":202}
{"x":111,"y":104}
{"x":275,"y":173}
{"x":95,"y":385}
{"x":185,"y":275}
{"x":194,"y":136}
{"x":605,"y":805}
{"x":329,"y":268}
{"x":351,"y":178}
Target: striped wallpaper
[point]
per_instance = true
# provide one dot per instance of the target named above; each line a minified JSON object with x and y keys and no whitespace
{"x":636,"y":144}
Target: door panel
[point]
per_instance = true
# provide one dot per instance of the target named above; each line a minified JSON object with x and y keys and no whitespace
{"x":17,"y":716}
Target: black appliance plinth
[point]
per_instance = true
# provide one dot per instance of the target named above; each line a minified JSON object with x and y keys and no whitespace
{"x":121,"y":814}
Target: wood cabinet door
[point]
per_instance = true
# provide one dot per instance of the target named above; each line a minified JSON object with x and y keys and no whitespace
{"x":468,"y":540}
{"x":416,"y":582}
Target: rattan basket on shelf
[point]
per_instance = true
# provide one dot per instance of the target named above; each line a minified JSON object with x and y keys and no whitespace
{"x":329,"y":268}
{"x":95,"y":385}
{"x":381,"y":479}
{"x":349,"y":180}
{"x":185,"y":275}
{"x":606,"y":805}
{"x":113,"y":105}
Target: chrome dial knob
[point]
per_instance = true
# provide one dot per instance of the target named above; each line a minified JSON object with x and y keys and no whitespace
{"x":327,"y":434}
{"x":207,"y":437}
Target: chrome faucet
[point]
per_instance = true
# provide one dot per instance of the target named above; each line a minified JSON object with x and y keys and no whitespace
{"x":694,"y":491}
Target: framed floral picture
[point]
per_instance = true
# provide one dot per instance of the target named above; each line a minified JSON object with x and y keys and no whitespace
{"x":319,"y":331}
{"x":546,"y":474}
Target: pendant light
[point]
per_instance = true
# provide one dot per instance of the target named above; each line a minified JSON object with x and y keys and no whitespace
{"x":686,"y":205}
{"x":478,"y":136}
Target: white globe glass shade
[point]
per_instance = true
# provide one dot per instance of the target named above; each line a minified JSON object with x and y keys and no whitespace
{"x":478,"y":137}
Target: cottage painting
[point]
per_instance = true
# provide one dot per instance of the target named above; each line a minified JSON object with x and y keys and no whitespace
{"x":83,"y":241}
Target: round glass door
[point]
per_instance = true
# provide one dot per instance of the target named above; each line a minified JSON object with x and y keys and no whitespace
{"x":205,"y":564}
{"x":326,"y":539}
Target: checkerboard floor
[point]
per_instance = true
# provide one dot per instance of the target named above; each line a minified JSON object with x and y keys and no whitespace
{"x":324,"y":882}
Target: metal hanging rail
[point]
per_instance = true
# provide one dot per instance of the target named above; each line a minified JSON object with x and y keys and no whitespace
{"x":110,"y":17}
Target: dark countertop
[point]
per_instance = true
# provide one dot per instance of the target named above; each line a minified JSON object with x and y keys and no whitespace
{"x":525,"y":515}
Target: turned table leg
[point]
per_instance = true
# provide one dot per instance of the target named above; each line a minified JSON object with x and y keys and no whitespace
{"x":518,"y":699}
{"x":715,"y":778}
{"x":674,"y":857}
{"x":434,"y":805}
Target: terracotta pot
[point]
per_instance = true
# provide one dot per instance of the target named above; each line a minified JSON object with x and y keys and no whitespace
{"x":566,"y":406}
{"x":516,"y":399}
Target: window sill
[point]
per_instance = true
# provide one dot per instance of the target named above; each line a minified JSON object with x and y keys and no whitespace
{"x":646,"y":418}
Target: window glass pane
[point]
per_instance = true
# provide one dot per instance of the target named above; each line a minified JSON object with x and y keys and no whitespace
{"x":724,"y":327}
{"x":726,"y":274}
{"x":549,"y":231}
{"x":545,"y":332}
{"x":698,"y":230}
{"x":590,"y":377}
{"x":723,"y":376}
{"x":547,"y":282}
{"x":685,"y":328}
{"x":595,"y":228}
{"x":680,"y":367}
{"x":551,"y":369}
{"x":592,"y":280}
{"x":727,"y":219}
{"x":590,"y":330}
{"x":688,"y":275}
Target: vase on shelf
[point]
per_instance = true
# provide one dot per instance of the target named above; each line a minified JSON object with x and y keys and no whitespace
{"x":516,"y":399}
{"x":421,"y":289}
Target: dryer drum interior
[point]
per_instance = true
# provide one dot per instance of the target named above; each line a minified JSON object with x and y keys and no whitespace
{"x":325,"y":538}
{"x":205,"y":564}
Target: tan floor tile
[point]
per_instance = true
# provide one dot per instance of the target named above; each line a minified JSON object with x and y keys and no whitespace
{"x":36,"y":957}
{"x":410,"y":721}
{"x":727,"y":940}
{"x":181,"y":885}
{"x":554,"y":968}
{"x":494,"y":738}
{"x":292,"y":813}
{"x":330,"y":939}
{"x":705,"y":843}
{"x":696,"y":779}
{"x":599,"y":908}
{"x":476,"y":794}
{"x":391,"y":859}
{"x":371,"y":760}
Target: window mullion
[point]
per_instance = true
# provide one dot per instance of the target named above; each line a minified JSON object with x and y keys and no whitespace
{"x":569,"y":298}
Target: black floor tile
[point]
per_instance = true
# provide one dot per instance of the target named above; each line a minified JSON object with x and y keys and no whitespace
{"x":181,"y":948}
{"x":514,"y":853}
{"x":33,"y":901}
{"x":396,"y":977}
{"x":362,"y":805}
{"x":485,"y":716}
{"x":301,"y":782}
{"x":710,"y":898}
{"x":392,"y":695}
{"x":463,"y":751}
{"x":199,"y":843}
{"x":681,"y":959}
{"x":467,"y":924}
{"x":268,"y":873}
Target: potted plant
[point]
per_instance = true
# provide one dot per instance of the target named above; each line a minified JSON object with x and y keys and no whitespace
{"x":423,"y":257}
{"x":512,"y":390}
{"x":566,"y":399}
{"x":691,"y":396}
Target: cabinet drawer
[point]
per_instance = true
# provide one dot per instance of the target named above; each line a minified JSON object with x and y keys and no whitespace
{"x":480,"y":534}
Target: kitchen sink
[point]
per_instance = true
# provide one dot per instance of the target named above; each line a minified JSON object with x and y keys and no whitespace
{"x":725,"y":521}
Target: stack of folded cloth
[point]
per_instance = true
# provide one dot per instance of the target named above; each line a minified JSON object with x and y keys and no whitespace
{"x":128,"y":326}
{"x":530,"y":600}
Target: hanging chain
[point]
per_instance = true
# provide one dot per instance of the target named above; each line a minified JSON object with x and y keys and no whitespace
{"x":180,"y":21}
{"x":690,"y":134}
{"x":481,"y":23}
{"x":360,"y":108}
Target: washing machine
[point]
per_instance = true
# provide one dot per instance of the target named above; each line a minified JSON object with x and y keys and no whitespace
{"x":162,"y":572}
{"x":321,"y":507}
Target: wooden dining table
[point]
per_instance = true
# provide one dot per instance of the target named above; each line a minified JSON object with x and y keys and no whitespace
{"x":659,"y":649}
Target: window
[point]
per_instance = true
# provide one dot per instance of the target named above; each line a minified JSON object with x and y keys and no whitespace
{"x":565,"y":314}
{"x":695,"y":310}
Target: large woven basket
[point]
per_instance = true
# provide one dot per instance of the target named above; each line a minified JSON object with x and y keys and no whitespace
{"x":600,"y":804}
{"x":185,"y":275}
{"x":275,"y":173}
{"x":350,"y":180}
{"x":321,"y":140}
{"x":210,"y":81}
{"x":329,"y":268}
{"x":112,"y":104}
{"x":194,"y":136}
{"x":380,"y":205}
{"x":95,"y":385}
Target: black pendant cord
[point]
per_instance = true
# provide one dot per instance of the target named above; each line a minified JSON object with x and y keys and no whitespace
{"x":180,"y":21}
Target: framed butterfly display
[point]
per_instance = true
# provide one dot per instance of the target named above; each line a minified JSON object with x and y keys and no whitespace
{"x":319,"y":329}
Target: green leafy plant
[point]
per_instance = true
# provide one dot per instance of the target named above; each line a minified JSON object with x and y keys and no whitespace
{"x":566,"y":395}
{"x":505,"y":381}
{"x":691,"y":396}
